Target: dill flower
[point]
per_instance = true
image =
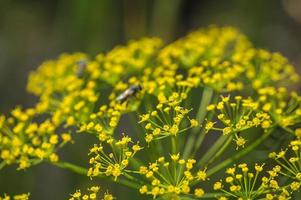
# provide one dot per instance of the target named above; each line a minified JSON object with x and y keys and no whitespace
{"x":127,"y":59}
{"x":112,"y":163}
{"x":237,"y":116}
{"x":103,"y":122}
{"x":15,"y":197}
{"x":166,"y":121}
{"x":92,"y":193}
{"x":241,"y":182}
{"x":196,"y":96}
{"x":289,"y":162}
{"x":172,"y":177}
{"x":285,"y":107}
{"x":268,"y":69}
{"x":25,"y":142}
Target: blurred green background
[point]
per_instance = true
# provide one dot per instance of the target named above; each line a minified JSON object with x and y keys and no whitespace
{"x":32,"y":31}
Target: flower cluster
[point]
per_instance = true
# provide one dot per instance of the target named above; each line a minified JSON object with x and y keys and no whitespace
{"x":284,"y":107}
{"x":269,"y":69}
{"x":223,"y":59}
{"x":25,"y":142}
{"x":72,"y":83}
{"x":172,"y":90}
{"x":237,"y":116}
{"x":126,"y":60}
{"x":221,"y":75}
{"x":171,"y":178}
{"x":73,"y":89}
{"x":206,"y":44}
{"x":93,"y":194}
{"x":42,"y":82}
{"x":166,"y":121}
{"x":114,"y":163}
{"x":240,"y":183}
{"x":72,"y":71}
{"x":167,"y":86}
{"x":103,"y":122}
{"x":289,"y":160}
{"x":15,"y":197}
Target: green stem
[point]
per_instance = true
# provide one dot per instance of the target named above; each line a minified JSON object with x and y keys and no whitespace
{"x":215,"y":151}
{"x":214,"y":148}
{"x":202,"y":111}
{"x":83,"y":171}
{"x":71,"y":167}
{"x":173,"y":145}
{"x":133,"y":179}
{"x":240,"y":154}
{"x":136,"y":126}
{"x":136,"y":163}
{"x":202,"y":133}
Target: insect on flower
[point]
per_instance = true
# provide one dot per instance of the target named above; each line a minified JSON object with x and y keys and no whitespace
{"x":81,"y":65}
{"x":130,"y":92}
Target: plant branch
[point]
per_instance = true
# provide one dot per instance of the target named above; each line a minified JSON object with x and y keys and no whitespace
{"x":202,"y":111}
{"x":240,"y":154}
{"x":215,"y":151}
{"x":83,"y":171}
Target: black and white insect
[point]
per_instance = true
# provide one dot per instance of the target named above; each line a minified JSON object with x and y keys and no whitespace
{"x":130,"y":92}
{"x":81,"y":66}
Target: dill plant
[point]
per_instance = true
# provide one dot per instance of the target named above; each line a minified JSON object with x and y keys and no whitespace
{"x":210,"y":87}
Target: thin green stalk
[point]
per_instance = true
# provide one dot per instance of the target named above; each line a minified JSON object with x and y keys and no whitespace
{"x":71,"y":167}
{"x":136,"y":163}
{"x":173,"y":164}
{"x":202,"y":133}
{"x":83,"y":171}
{"x":214,"y":148}
{"x":202,"y":111}
{"x":208,"y":93}
{"x":132,"y":178}
{"x":173,"y":145}
{"x":216,"y":151}
{"x":136,"y":126}
{"x":240,"y":154}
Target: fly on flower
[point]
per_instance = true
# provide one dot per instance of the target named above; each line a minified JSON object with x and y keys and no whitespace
{"x":128,"y":93}
{"x":81,"y":66}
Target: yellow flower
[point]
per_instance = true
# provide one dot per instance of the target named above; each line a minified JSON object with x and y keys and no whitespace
{"x":295,"y":186}
{"x":240,"y":142}
{"x":201,"y":175}
{"x":266,"y":124}
{"x":66,"y":137}
{"x":227,"y":130}
{"x":174,"y":130}
{"x":136,"y":148}
{"x":53,"y":157}
{"x":175,"y":157}
{"x":210,"y":107}
{"x":298,"y":132}
{"x":217,"y":186}
{"x":199,"y":192}
{"x":209,"y":126}
{"x":194,"y":123}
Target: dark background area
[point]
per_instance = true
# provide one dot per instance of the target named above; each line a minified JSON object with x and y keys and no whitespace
{"x":36,"y":30}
